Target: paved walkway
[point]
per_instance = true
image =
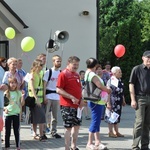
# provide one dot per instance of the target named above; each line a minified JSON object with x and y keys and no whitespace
{"x":125,"y":143}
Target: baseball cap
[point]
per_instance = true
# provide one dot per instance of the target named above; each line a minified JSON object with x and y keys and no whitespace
{"x":146,"y":54}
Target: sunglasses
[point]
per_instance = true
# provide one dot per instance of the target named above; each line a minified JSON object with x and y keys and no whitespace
{"x":4,"y":61}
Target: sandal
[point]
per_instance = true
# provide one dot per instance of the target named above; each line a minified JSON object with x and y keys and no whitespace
{"x":119,"y":135}
{"x":112,"y":135}
{"x":36,"y":137}
{"x":90,"y":147}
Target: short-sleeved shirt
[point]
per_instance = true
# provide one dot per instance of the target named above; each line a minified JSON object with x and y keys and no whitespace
{"x":51,"y":85}
{"x":14,"y":103}
{"x":69,"y":82}
{"x":106,"y":76}
{"x":140,"y":77}
{"x":18,"y":76}
{"x":23,"y":73}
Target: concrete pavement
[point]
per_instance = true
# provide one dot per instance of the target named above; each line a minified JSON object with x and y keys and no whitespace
{"x":126,"y":126}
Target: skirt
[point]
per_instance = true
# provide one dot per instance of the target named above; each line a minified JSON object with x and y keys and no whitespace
{"x":38,"y":115}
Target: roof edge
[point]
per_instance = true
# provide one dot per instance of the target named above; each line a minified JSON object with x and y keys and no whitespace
{"x":13,"y":13}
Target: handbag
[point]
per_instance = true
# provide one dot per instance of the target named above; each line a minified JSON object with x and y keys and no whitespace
{"x":90,"y":91}
{"x":6,"y":101}
{"x":30,"y":100}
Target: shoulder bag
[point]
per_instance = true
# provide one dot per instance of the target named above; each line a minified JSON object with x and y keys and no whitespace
{"x":30,"y":101}
{"x":90,"y":91}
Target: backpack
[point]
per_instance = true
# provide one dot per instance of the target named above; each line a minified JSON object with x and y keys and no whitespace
{"x":50,"y":74}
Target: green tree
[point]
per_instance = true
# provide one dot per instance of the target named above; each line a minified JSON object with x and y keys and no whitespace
{"x":119,"y":24}
{"x":145,"y":23}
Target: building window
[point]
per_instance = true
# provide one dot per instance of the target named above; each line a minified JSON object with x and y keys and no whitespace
{"x":4,"y":49}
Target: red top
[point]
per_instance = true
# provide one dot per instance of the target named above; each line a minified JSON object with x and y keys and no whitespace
{"x":69,"y":82}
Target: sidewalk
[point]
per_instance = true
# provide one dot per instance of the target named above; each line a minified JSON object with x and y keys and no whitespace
{"x":126,"y":126}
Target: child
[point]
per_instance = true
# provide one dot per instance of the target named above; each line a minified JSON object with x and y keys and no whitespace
{"x":12,"y":112}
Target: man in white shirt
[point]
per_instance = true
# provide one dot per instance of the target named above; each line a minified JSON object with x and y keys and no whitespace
{"x":50,"y":81}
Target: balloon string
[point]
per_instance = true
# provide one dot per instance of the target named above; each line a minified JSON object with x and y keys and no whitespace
{"x":24,"y":54}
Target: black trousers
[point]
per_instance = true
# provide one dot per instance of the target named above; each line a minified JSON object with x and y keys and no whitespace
{"x":15,"y":121}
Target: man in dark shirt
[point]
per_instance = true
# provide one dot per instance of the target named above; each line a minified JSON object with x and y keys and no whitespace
{"x":139,"y":87}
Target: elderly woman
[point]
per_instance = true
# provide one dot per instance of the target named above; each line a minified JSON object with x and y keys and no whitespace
{"x":115,"y":101}
{"x":12,"y":72}
{"x":95,"y":107}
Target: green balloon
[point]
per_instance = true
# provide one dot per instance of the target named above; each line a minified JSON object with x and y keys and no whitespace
{"x":27,"y":44}
{"x":10,"y":33}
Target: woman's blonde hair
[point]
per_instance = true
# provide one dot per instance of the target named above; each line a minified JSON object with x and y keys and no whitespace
{"x":11,"y":59}
{"x":36,"y":63}
{"x":10,"y":80}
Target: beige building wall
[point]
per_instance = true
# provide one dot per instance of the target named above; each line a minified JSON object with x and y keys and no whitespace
{"x":42,"y":16}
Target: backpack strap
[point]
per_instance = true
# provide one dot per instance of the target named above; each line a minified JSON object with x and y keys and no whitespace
{"x":50,"y":74}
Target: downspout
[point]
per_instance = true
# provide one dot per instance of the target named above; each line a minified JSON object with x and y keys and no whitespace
{"x":97,"y":29}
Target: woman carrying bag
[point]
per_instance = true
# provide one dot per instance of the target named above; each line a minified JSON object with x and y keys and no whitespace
{"x":38,"y":112}
{"x":94,"y":106}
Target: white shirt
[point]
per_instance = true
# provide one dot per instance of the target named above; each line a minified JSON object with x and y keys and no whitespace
{"x":51,"y":85}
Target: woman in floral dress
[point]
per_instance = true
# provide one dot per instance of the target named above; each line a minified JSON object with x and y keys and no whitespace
{"x":115,"y":101}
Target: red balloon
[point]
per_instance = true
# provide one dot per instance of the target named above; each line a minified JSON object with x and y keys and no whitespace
{"x":1,"y":123}
{"x":119,"y":50}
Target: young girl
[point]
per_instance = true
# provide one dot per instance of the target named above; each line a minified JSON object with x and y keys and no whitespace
{"x":12,"y":112}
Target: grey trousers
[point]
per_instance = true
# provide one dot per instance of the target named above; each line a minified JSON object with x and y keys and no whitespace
{"x":142,"y":123}
{"x":52,"y":106}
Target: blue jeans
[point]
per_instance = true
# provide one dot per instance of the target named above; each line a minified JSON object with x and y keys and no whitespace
{"x":142,"y":123}
{"x":96,"y":112}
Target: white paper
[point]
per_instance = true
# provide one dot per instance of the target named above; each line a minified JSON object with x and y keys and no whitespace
{"x":79,"y":112}
{"x":114,"y":81}
{"x":107,"y":112}
{"x":28,"y":77}
{"x":113,"y":118}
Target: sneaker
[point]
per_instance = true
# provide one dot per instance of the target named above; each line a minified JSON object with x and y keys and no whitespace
{"x":42,"y":139}
{"x":90,"y":147}
{"x":23,"y":116}
{"x":87,"y":118}
{"x":75,"y":148}
{"x":47,"y":130}
{"x":57,"y":136}
{"x":102,"y":146}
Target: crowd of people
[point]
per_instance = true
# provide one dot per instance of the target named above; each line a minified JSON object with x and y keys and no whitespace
{"x":54,"y":89}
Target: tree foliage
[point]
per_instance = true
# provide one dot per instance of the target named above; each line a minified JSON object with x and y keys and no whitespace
{"x":124,"y":22}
